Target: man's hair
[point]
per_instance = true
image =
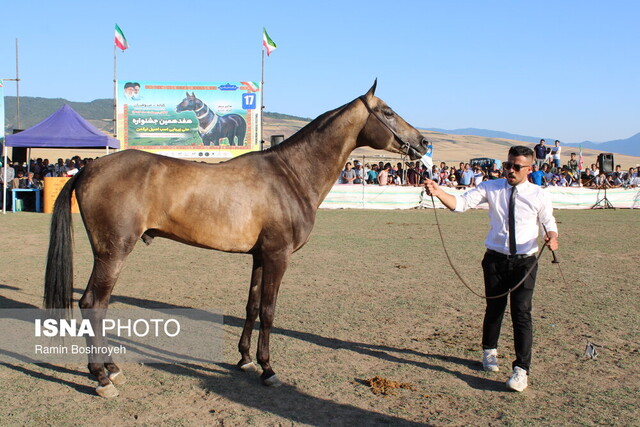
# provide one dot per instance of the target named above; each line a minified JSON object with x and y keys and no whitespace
{"x":520,"y":150}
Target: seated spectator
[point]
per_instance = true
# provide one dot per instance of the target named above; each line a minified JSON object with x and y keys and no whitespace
{"x":536,"y":176}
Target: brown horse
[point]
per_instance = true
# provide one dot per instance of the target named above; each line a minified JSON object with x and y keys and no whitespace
{"x":261,"y":203}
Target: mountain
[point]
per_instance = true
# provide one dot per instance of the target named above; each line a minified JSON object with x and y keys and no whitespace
{"x":100,"y":113}
{"x":629,"y":146}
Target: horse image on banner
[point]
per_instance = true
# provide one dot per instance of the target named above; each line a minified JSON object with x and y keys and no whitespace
{"x":261,"y":203}
{"x":213,"y":127}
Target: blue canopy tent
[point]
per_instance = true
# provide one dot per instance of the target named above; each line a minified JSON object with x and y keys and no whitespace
{"x":63,"y":129}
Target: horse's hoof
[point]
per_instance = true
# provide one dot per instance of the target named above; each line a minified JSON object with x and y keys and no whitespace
{"x":272,"y":381}
{"x":107,"y":391}
{"x":117,"y":378}
{"x":249,"y":367}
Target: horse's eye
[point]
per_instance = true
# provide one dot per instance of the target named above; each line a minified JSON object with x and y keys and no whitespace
{"x":388,"y":113}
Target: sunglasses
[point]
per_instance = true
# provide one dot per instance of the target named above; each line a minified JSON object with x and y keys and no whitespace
{"x":516,"y":167}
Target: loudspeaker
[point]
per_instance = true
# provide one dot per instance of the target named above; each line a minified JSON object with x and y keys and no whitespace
{"x":276,"y":139}
{"x":605,"y":162}
{"x":19,"y":154}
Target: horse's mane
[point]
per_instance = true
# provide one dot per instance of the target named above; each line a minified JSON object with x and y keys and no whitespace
{"x":319,"y":124}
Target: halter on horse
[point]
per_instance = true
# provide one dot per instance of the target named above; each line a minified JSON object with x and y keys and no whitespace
{"x":261,"y":203}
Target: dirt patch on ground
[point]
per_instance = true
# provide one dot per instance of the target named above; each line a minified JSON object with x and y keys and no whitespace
{"x":368,"y":296}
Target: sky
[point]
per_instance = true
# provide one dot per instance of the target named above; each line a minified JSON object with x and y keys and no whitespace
{"x":568,"y":70}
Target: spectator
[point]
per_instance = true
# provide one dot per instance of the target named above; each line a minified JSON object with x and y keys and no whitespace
{"x":541,"y":153}
{"x":572,"y":165}
{"x":478,"y":175}
{"x":467,"y":176}
{"x":71,"y":168}
{"x":372,"y":175}
{"x":383,"y":175}
{"x":555,"y":153}
{"x":348,"y":175}
{"x":494,"y":172}
{"x":618,"y":172}
{"x":536,"y":176}
{"x":60,"y":168}
{"x":358,"y":171}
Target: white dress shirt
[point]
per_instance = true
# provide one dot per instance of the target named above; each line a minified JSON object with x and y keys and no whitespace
{"x":533,"y":208}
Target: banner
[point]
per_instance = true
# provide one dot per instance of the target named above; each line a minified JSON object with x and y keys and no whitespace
{"x":189,"y":120}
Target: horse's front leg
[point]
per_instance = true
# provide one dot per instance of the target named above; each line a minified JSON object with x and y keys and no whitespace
{"x":253,"y":306}
{"x":274,"y":267}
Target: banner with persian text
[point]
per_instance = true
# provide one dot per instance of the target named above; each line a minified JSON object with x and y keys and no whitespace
{"x":215,"y":120}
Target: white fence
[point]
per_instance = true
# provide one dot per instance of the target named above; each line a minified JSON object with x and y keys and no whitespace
{"x":398,"y":197}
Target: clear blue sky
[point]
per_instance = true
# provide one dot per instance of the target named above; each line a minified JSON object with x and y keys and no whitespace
{"x":559,"y":69}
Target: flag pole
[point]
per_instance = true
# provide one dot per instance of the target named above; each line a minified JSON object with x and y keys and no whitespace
{"x":262,"y":104}
{"x":115,"y":92}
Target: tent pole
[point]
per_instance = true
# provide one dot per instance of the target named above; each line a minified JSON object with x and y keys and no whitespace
{"x":4,"y":180}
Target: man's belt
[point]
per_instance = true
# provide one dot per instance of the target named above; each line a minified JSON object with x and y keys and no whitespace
{"x":505,"y":256}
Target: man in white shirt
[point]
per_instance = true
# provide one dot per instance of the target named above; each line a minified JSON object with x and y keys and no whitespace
{"x":517,"y":209}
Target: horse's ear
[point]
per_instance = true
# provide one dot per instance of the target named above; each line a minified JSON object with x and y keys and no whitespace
{"x":193,"y":94}
{"x":372,"y":91}
{"x":188,"y":94}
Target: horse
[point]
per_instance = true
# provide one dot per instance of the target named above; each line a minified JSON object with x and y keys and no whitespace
{"x":211,"y":126}
{"x":261,"y":203}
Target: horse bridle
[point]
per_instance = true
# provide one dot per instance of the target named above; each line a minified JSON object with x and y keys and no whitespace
{"x":406,"y":147}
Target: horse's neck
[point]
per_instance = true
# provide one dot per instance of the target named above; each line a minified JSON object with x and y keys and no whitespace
{"x":317,"y":157}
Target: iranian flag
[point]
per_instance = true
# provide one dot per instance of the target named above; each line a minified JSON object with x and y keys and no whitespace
{"x":121,"y":40}
{"x":267,"y":42}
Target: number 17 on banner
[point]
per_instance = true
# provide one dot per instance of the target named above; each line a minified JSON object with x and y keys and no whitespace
{"x":249,"y":101}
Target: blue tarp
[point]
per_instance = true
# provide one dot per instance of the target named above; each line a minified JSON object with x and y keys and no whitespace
{"x":63,"y":129}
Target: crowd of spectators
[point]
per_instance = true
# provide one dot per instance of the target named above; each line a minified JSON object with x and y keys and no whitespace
{"x":546,"y":171}
{"x":31,"y":176}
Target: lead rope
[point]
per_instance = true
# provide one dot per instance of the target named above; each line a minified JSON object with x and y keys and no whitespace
{"x":455,"y":270}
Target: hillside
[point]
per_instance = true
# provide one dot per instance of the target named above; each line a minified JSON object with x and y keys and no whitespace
{"x":448,"y":147}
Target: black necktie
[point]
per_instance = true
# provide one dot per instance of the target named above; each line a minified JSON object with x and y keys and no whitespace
{"x":512,"y":221}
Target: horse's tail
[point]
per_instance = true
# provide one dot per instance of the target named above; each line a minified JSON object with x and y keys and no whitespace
{"x":58,"y":278}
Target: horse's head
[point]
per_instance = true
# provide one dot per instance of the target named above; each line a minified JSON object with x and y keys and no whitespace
{"x":386,"y":130}
{"x":190,"y":103}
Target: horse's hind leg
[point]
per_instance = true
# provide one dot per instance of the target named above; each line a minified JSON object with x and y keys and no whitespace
{"x":94,"y":304}
{"x":253,"y":306}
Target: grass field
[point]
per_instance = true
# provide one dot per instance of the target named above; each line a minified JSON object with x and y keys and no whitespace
{"x":370,"y":294}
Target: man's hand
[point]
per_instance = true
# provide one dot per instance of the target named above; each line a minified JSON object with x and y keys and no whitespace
{"x":432,"y":188}
{"x":551,"y":240}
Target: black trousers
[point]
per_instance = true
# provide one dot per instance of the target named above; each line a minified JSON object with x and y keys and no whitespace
{"x":500,"y":275}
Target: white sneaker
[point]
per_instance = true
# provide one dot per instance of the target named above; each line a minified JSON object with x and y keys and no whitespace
{"x":490,"y":360}
{"x":518,"y":380}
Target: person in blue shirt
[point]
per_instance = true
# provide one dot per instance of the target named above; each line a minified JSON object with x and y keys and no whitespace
{"x":536,"y":176}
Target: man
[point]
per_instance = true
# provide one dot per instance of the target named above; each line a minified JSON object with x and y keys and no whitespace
{"x":466,"y":177}
{"x":536,"y":176}
{"x":516,"y":207}
{"x":541,"y":153}
{"x":357,"y":169}
{"x":555,"y":154}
